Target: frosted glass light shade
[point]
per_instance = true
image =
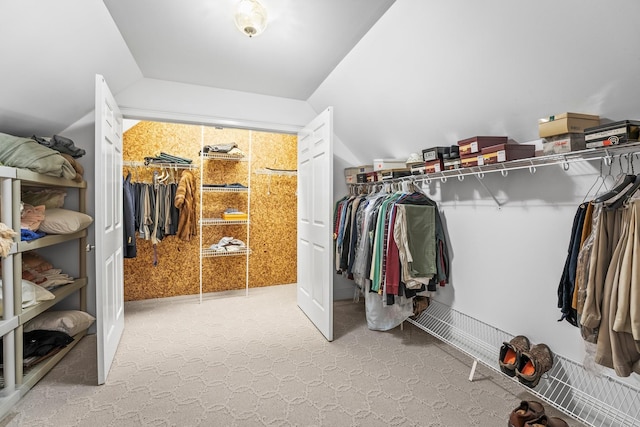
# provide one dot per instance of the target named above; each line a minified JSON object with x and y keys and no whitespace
{"x":251,"y":17}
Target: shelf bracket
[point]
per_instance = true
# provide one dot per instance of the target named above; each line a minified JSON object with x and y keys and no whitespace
{"x":489,"y":191}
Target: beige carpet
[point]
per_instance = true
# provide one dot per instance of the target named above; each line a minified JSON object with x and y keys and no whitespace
{"x":258,"y":361}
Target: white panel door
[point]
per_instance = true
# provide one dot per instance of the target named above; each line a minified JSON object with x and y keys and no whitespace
{"x":108,"y":228}
{"x":315,"y":222}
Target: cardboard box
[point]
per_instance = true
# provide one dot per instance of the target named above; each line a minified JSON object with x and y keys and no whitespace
{"x":566,"y":123}
{"x":434,"y":166}
{"x":433,"y":153}
{"x":383,"y":164}
{"x":453,"y":153}
{"x":351,"y":174}
{"x":505,"y":152}
{"x":394,"y":173}
{"x":450,"y":164}
{"x":469,"y":161}
{"x":475,"y":144}
{"x":367,"y":177}
{"x":416,"y":168}
{"x":612,"y":134}
{"x":561,"y":144}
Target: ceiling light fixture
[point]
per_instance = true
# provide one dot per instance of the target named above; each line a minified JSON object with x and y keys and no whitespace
{"x":251,"y":17}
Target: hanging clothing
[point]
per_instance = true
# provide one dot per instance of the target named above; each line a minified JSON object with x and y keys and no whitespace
{"x":148,"y":211}
{"x":567,"y":281}
{"x":607,"y":279}
{"x":128,"y":218}
{"x":185,"y":201}
{"x":393,"y":246}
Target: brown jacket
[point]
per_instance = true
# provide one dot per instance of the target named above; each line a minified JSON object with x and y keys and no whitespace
{"x":186,"y":201}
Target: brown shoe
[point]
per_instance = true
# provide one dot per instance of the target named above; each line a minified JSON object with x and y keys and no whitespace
{"x":527,"y":411}
{"x":547,"y":421}
{"x":510,"y":354}
{"x":420,"y":304}
{"x":533,"y":363}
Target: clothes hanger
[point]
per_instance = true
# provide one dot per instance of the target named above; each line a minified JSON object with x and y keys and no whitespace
{"x":629,"y":192}
{"x":626,"y":195}
{"x":624,"y":181}
{"x":599,"y":177}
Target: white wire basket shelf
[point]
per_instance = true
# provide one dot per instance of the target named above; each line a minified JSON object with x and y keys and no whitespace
{"x":206,"y":189}
{"x":211,"y":253}
{"x":606,"y":154}
{"x":164,"y":165}
{"x":224,"y":156}
{"x":220,"y":221}
{"x":596,"y":400}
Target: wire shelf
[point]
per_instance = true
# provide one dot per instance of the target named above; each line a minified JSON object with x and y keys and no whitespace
{"x":206,"y":189}
{"x":224,"y":156}
{"x":531,"y":163}
{"x":219,"y":221}
{"x":211,"y":253}
{"x":599,"y":401}
{"x":159,"y":165}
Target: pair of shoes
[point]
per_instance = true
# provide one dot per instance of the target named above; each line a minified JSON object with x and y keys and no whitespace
{"x":510,"y":354}
{"x":517,"y":357}
{"x":531,"y":414}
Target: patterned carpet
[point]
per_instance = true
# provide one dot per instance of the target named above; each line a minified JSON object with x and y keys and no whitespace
{"x":258,"y":361}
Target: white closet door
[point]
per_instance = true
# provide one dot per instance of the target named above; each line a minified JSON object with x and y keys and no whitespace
{"x":315,"y":222}
{"x":108,"y":228}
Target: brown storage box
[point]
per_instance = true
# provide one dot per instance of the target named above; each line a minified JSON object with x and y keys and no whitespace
{"x":505,"y":152}
{"x":351,"y":174}
{"x":434,"y":166}
{"x":468,"y":161}
{"x":367,"y":177}
{"x":566,"y":123}
{"x":563,"y":143}
{"x":475,"y":144}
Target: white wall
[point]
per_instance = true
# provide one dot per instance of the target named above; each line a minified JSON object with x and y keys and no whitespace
{"x":506,"y":262}
{"x":198,"y":104}
{"x":432,"y":73}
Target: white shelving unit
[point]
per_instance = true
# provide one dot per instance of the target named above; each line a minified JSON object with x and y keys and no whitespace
{"x":16,"y":381}
{"x":207,"y":252}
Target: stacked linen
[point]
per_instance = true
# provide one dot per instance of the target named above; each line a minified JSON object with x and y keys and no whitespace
{"x":229,"y":244}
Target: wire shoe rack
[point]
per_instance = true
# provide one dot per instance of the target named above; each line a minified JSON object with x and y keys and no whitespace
{"x":596,"y":400}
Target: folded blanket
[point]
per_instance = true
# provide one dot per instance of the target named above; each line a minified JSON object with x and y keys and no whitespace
{"x":27,"y":154}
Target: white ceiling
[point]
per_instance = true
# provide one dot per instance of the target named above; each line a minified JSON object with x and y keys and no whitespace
{"x":197,"y":42}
